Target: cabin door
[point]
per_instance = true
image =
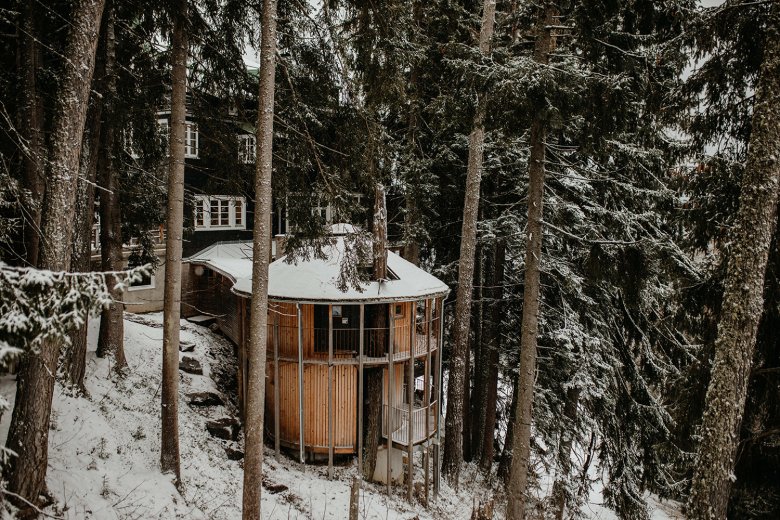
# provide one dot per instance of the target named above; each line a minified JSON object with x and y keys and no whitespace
{"x":346,"y":328}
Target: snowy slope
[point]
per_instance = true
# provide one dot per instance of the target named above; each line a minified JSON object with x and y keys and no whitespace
{"x":104,"y":450}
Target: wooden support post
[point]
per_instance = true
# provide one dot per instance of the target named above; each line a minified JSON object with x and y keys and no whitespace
{"x":427,"y":392}
{"x":330,"y":391}
{"x":410,"y":431}
{"x":360,"y":389}
{"x":410,"y":408}
{"x":390,"y":395}
{"x":437,"y":446}
{"x":240,"y":372}
{"x":302,"y":454}
{"x":277,"y":383}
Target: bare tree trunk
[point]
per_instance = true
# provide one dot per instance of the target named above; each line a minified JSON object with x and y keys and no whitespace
{"x":111,"y":336}
{"x":743,"y":293}
{"x":169,"y":446}
{"x":31,"y":128}
{"x":258,"y":328}
{"x":505,"y":464}
{"x":559,"y":491}
{"x":372,"y":378}
{"x":75,"y":360}
{"x":492,"y":345}
{"x":453,"y":440}
{"x":521,"y":448}
{"x":28,"y":436}
{"x":476,"y":401}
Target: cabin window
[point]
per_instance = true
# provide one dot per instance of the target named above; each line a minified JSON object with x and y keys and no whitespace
{"x":246,"y":148}
{"x":345,"y":325}
{"x":191,"y":138}
{"x":219,"y":212}
{"x":398,"y":310}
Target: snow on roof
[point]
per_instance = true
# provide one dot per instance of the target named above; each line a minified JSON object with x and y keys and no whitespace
{"x":315,"y":280}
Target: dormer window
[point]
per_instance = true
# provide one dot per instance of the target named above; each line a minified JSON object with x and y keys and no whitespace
{"x":213,"y":212}
{"x":191,"y":140}
{"x":246,"y":148}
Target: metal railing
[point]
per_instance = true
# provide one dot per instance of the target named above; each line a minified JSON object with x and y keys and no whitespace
{"x":400,"y":423}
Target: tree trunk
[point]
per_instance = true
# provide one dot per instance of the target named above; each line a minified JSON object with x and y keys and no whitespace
{"x":559,"y":491}
{"x":75,"y":359}
{"x":521,"y":449}
{"x":169,"y":446}
{"x":476,"y":401}
{"x":29,"y":430}
{"x":493,"y":347}
{"x":743,"y":293}
{"x":505,"y":464}
{"x":111,"y":336}
{"x":258,"y":328}
{"x":372,"y":377}
{"x":453,"y":440}
{"x":31,"y":128}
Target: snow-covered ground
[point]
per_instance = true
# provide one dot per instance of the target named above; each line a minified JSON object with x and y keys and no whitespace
{"x":104,"y":450}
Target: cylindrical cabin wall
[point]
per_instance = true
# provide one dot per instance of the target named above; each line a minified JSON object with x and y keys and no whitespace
{"x":346,"y":335}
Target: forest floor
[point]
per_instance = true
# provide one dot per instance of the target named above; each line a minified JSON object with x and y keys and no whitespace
{"x":104,"y":449}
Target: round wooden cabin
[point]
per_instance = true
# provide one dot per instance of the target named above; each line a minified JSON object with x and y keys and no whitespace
{"x":321,"y":340}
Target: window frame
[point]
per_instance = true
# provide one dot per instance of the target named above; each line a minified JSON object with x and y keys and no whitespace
{"x":203,"y":202}
{"x":245,"y":156}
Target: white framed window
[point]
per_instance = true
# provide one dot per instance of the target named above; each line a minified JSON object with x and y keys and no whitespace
{"x":219,"y":212}
{"x":246,"y":148}
{"x":191,"y":138}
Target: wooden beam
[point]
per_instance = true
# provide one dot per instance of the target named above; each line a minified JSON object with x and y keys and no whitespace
{"x":360,"y":390}
{"x":277,"y":383}
{"x":437,"y":445}
{"x":330,"y":391}
{"x":300,"y":385}
{"x":390,"y":394}
{"x":427,"y":392}
{"x":410,"y":425}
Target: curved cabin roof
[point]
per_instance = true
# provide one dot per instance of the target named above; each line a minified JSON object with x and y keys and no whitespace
{"x":315,"y":280}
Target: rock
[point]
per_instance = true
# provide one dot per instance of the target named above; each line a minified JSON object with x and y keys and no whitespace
{"x":190,"y":365}
{"x":214,"y":327}
{"x":186,"y":346}
{"x":274,"y":488}
{"x":225,"y":428}
{"x":205,"y":399}
{"x":234,"y":454}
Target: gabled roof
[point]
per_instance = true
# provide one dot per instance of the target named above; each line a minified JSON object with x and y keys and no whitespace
{"x":315,"y":280}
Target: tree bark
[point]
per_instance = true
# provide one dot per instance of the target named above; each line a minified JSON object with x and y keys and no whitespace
{"x":111,"y":335}
{"x":75,"y":360}
{"x":31,"y":128}
{"x":521,"y":449}
{"x":743,"y":293}
{"x":476,"y":401}
{"x":453,"y":440}
{"x":258,"y":329}
{"x":372,"y":378}
{"x":559,"y":492}
{"x":29,"y":430}
{"x":169,"y":446}
{"x":493,"y":347}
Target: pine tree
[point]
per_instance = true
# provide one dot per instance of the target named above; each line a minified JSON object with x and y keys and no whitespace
{"x":28,"y":434}
{"x":169,"y":447}
{"x":743,"y":299}
{"x":456,"y":413}
{"x":258,"y":331}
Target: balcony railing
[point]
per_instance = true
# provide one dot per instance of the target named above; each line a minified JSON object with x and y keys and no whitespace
{"x":400,"y":423}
